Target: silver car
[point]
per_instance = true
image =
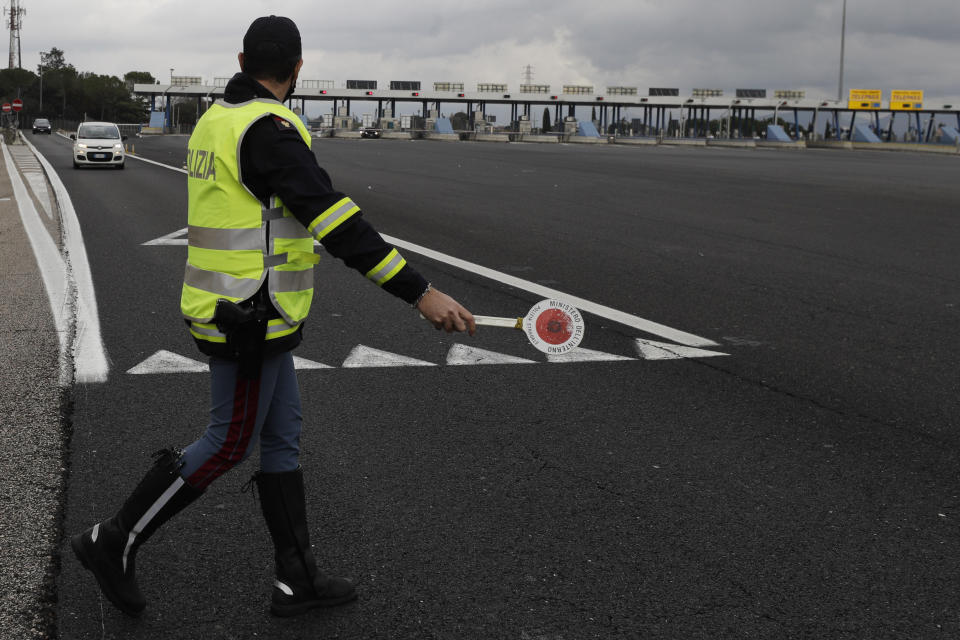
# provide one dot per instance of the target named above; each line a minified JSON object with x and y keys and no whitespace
{"x":98,"y":144}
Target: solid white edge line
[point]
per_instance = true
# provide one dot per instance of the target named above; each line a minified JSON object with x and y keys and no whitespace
{"x":582,"y":304}
{"x":53,"y":270}
{"x":90,"y":362}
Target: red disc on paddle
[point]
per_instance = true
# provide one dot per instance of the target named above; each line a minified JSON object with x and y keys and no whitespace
{"x":554,"y":327}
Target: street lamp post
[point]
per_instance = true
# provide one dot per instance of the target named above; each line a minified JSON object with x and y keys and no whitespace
{"x":169,"y":106}
{"x":843,"y":35}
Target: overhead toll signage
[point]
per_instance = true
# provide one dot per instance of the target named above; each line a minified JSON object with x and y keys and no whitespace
{"x":662,"y":92}
{"x":901,"y":100}
{"x":789,"y":94}
{"x":864,"y":99}
{"x":361,"y":84}
{"x":316,"y":84}
{"x":534,"y":88}
{"x":751,"y":93}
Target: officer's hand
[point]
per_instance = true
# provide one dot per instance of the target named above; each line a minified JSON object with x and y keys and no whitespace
{"x":443,"y":312}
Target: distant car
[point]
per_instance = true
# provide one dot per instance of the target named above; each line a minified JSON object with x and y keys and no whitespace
{"x":369,"y":132}
{"x":98,"y":144}
{"x":42,"y":125}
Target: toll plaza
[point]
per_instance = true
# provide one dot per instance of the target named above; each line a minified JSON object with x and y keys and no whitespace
{"x":661,"y":113}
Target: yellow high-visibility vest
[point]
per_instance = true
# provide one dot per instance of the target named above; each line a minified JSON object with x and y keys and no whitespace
{"x":235,"y":241}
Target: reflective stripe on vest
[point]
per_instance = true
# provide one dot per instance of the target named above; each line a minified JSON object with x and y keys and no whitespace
{"x":387,"y":268}
{"x":332,"y":218}
{"x":235,"y":242}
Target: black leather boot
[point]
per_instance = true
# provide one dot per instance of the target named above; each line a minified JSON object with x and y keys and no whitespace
{"x":299,"y":585}
{"x":109,"y":549}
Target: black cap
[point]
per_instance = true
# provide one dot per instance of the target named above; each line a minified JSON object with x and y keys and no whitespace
{"x":272,"y":38}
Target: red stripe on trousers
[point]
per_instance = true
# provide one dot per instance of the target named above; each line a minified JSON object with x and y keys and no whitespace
{"x":245,"y":399}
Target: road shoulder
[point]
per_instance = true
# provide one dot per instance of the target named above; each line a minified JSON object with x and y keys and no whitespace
{"x":31,"y":434}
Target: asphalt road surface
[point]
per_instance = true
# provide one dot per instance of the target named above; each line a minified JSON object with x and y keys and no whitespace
{"x":803,"y":485}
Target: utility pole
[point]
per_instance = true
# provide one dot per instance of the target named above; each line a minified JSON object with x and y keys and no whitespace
{"x":16,"y":13}
{"x":843,"y":36}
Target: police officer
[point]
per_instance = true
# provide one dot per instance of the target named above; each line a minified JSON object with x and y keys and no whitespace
{"x":257,"y":199}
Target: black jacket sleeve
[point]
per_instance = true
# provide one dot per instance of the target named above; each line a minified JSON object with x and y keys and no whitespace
{"x":274,"y":160}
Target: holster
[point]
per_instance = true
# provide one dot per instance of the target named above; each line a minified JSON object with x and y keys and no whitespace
{"x":245,"y":327}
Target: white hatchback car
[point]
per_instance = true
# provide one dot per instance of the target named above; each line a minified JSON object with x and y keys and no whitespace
{"x":98,"y":143}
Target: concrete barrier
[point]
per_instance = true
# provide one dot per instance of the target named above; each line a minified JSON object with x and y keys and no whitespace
{"x":534,"y":137}
{"x":345,"y":133}
{"x":685,"y":142}
{"x":397,"y":135}
{"x":652,"y":142}
{"x":776,"y":144}
{"x":885,"y":146}
{"x":734,"y":143}
{"x":446,"y":137}
{"x":492,"y":137}
{"x":908,"y":146}
{"x":830,"y":144}
{"x":587,"y":140}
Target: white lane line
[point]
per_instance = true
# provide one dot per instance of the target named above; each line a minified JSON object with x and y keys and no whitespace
{"x":53,"y":270}
{"x":159,"y":164}
{"x":175,"y":238}
{"x":89,"y":353}
{"x":647,"y":326}
{"x":609,"y":313}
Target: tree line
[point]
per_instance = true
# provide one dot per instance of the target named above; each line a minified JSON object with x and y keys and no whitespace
{"x":58,"y":91}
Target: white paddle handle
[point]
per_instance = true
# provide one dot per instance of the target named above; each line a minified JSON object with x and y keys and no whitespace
{"x":492,"y":321}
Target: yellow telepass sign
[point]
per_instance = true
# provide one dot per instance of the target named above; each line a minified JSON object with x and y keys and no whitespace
{"x":906,"y":100}
{"x":864,"y":99}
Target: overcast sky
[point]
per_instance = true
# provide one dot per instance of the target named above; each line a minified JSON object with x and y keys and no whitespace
{"x":771,"y":44}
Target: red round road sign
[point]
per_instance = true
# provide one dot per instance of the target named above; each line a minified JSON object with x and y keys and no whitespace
{"x":17,"y":104}
{"x":6,"y":107}
{"x":554,"y":327}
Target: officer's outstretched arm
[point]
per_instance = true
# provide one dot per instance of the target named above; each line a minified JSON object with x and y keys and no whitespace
{"x":443,"y":312}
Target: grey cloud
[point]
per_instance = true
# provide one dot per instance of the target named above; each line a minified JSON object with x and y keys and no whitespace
{"x":683,"y":43}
